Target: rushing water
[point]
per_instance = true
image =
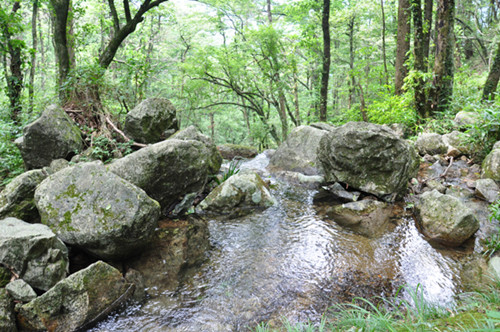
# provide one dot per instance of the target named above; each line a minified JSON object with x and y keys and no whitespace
{"x":290,"y":262}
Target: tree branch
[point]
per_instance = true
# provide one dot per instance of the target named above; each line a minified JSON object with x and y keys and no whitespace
{"x":114,"y":15}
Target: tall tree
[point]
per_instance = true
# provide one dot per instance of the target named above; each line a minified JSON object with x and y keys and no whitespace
{"x":325,"y":72}
{"x":403,"y":45}
{"x":12,"y":46}
{"x":490,"y":86}
{"x":384,"y":52}
{"x":442,"y":85}
{"x":34,"y":38}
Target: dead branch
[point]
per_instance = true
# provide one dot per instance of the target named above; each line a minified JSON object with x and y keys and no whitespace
{"x":122,"y":134}
{"x":447,"y":168}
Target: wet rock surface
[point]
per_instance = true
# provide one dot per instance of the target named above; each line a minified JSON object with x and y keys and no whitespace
{"x":92,"y":208}
{"x":33,"y":252}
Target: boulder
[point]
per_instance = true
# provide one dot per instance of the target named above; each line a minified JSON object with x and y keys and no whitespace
{"x":496,"y":146}
{"x":230,"y":151}
{"x":191,"y":133}
{"x":241,"y":193}
{"x":5,"y":276}
{"x":491,"y":166}
{"x":77,"y":301}
{"x":466,"y":118}
{"x":366,"y":217}
{"x":176,"y":245}
{"x":342,"y":194}
{"x":494,"y":268}
{"x":33,"y":252}
{"x":148,"y":121}
{"x":445,"y":219}
{"x":17,"y":199}
{"x":457,"y":143}
{"x":431,"y":143}
{"x":368,"y":157}
{"x":54,"y":135}
{"x":487,"y":189}
{"x":96,"y":210}
{"x":167,"y":171}
{"x":298,"y":153}
{"x":20,"y":290}
{"x":56,"y":165}
{"x":7,"y":318}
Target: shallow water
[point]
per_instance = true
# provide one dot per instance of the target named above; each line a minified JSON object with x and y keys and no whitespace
{"x":291,"y":262}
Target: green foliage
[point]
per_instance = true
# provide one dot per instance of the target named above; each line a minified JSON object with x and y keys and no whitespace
{"x":392,"y":109}
{"x":11,"y":163}
{"x":232,"y":170}
{"x":486,"y":130}
{"x":492,"y":243}
{"x":106,"y":149}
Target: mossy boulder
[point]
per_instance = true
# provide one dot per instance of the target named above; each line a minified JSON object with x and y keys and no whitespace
{"x":487,"y":189}
{"x":368,"y":157}
{"x":191,"y":133}
{"x":81,"y":299}
{"x":431,"y":143}
{"x":491,"y":166}
{"x":17,"y":199}
{"x":20,"y":290}
{"x":7,"y":318}
{"x":151,"y":121}
{"x":54,"y":135}
{"x":167,"y":171}
{"x":96,"y":210}
{"x":230,"y":151}
{"x":33,"y":252}
{"x":299,"y":152}
{"x":241,"y":193}
{"x":445,"y":219}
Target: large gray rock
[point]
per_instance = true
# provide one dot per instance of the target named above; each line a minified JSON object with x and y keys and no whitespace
{"x":191,"y":133}
{"x":149,"y":120}
{"x":7,"y":318}
{"x":466,"y":118}
{"x":96,"y":210}
{"x":230,"y":151}
{"x":81,"y":299}
{"x":17,"y":199}
{"x":242,"y":192}
{"x":491,"y":166}
{"x":445,"y":219}
{"x":366,"y":217}
{"x":368,"y":157}
{"x":431,"y":143}
{"x":299,"y":152}
{"x":487,"y":189}
{"x":458,"y":143}
{"x":33,"y":252}
{"x":54,"y":135}
{"x":167,"y":171}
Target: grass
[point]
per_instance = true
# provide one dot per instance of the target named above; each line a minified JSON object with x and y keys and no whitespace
{"x":475,"y":311}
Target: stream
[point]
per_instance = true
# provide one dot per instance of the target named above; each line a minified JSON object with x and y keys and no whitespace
{"x":290,"y":262}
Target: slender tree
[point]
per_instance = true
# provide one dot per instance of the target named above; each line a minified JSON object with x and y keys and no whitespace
{"x":403,"y":45}
{"x":442,"y":85}
{"x":384,"y":52}
{"x":325,"y":72}
{"x":490,"y":86}
{"x":34,"y":38}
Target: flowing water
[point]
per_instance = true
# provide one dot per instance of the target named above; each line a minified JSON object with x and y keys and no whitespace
{"x":291,"y":262}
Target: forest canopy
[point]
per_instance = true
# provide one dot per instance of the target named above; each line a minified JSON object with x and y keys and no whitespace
{"x":248,"y":72}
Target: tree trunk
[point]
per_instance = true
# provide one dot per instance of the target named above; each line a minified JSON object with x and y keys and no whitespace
{"x":384,"y":53}
{"x":352,"y":81}
{"x":325,"y":73}
{"x":403,"y":45}
{"x":427,"y":28}
{"x":34,"y":37}
{"x":296,"y":98}
{"x":419,"y":60}
{"x":442,"y":87}
{"x":490,"y":86}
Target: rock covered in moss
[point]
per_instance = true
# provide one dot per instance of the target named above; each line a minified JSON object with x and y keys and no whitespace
{"x":5,"y":276}
{"x":491,"y":165}
{"x":487,"y":189}
{"x":54,"y":135}
{"x":20,"y":290}
{"x":466,"y":118}
{"x":83,"y":298}
{"x":230,"y":151}
{"x":191,"y":133}
{"x":96,"y":210}
{"x":148,"y":121}
{"x":431,"y":143}
{"x":167,"y":171}
{"x":366,"y":217}
{"x":368,"y":157}
{"x":17,"y":199}
{"x":7,"y":318}
{"x":33,"y":252}
{"x":299,"y":152}
{"x":244,"y":192}
{"x":445,"y":219}
{"x":458,"y":143}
